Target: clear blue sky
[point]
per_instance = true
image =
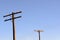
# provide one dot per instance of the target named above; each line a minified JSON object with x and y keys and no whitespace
{"x":36,"y":14}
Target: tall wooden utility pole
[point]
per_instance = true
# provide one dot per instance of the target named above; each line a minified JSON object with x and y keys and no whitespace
{"x":13,"y":23}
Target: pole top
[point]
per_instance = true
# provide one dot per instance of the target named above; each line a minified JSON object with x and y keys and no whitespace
{"x":38,"y":30}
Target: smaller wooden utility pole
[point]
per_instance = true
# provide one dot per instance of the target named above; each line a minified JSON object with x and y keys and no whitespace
{"x":39,"y":33}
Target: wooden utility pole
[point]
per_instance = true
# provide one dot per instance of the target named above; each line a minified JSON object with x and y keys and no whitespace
{"x":13,"y":23}
{"x":39,"y":33}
